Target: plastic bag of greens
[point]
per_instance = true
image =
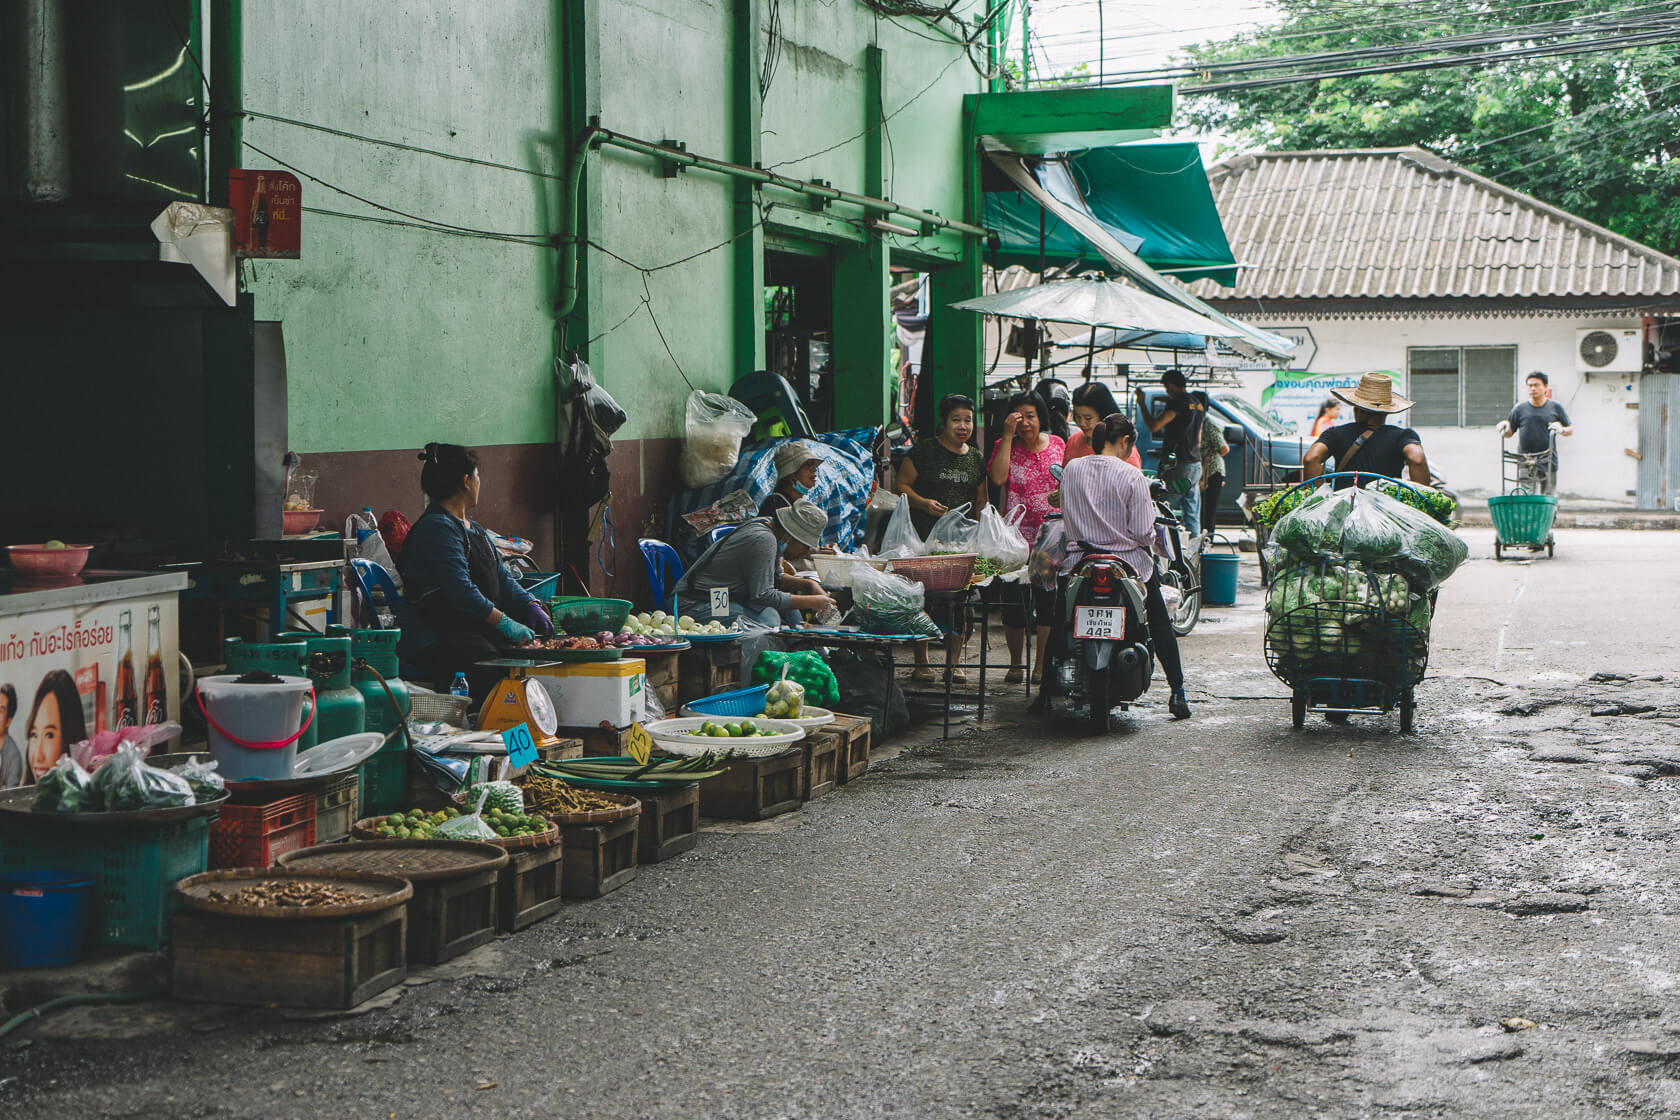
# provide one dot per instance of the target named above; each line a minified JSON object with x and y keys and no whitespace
{"x":953,"y":532}
{"x":505,"y":796}
{"x":1313,"y":529}
{"x":469,"y":826}
{"x":66,"y":788}
{"x":884,"y":603}
{"x":1442,"y":505}
{"x":126,"y":784}
{"x":207,"y":785}
{"x":900,"y":538}
{"x":999,"y":538}
{"x":716,"y":425}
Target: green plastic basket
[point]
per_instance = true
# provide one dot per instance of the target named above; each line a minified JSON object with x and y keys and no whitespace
{"x":585,"y":616}
{"x":1523,"y":518}
{"x":136,"y":868}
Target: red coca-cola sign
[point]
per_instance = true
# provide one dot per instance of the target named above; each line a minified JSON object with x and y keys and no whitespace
{"x":267,"y":213}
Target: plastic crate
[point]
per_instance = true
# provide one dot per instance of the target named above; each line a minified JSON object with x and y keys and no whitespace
{"x":257,"y":835}
{"x":336,"y":808}
{"x":739,"y":702}
{"x":384,"y":786}
{"x":579,"y":615}
{"x":136,"y":869}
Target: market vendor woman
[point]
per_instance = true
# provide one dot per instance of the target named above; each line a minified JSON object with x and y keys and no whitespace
{"x":747,"y":564}
{"x":460,"y":605}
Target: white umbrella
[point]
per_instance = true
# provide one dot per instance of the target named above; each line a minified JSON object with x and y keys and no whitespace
{"x":1096,"y":303}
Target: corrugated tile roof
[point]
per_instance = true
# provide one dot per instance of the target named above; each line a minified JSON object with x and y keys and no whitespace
{"x":1403,"y":223}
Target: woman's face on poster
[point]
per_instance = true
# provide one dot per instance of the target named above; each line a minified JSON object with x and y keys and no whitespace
{"x":46,"y":736}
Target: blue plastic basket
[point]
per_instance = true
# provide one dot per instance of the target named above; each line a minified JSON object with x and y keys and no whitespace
{"x":740,"y":702}
{"x":42,"y":917}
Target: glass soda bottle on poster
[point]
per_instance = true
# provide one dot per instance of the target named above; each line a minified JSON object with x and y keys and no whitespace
{"x":126,"y":712}
{"x":259,"y":214}
{"x":156,"y":705}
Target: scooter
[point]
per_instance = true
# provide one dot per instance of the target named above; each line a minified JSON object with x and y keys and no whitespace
{"x":1099,"y":654}
{"x":1181,"y":578}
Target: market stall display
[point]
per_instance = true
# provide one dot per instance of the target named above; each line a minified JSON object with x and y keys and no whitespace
{"x":697,"y":736}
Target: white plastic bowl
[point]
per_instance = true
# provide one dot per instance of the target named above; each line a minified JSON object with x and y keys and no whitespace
{"x":672,"y":736}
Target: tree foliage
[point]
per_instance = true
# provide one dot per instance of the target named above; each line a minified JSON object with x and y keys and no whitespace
{"x":1597,"y":135}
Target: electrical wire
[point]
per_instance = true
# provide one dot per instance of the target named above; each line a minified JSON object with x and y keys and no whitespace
{"x":859,"y":135}
{"x":397,"y":144}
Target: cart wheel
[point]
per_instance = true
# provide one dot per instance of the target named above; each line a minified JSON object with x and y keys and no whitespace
{"x":1498,"y":549}
{"x":1408,"y":708}
{"x":1551,"y":548}
{"x":1298,"y":709}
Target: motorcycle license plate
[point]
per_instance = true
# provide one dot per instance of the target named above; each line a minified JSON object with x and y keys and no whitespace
{"x":1099,"y":622}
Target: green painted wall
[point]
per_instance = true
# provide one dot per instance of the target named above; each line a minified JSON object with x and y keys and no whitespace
{"x":396,"y":335}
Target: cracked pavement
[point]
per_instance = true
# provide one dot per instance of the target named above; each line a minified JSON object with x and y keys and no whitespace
{"x":1215,"y":918}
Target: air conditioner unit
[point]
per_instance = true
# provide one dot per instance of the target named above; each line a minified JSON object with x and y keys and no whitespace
{"x":1609,"y":350}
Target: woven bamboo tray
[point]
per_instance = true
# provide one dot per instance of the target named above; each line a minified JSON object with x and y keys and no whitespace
{"x":418,"y":861}
{"x":363,"y":830}
{"x":381,"y":892}
{"x":628,"y":807}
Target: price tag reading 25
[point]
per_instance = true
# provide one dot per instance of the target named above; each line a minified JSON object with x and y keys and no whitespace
{"x":640,"y":744}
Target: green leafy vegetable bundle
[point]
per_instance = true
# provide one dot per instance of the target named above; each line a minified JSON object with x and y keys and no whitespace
{"x":1439,"y":504}
{"x":1268,"y":511}
{"x":1346,"y":620}
{"x":1372,"y":527}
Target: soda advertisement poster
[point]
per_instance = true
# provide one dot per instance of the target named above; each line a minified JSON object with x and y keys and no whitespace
{"x":69,"y":672}
{"x":267,"y":213}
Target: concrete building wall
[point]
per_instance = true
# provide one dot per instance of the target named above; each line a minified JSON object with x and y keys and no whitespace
{"x":1594,"y":463}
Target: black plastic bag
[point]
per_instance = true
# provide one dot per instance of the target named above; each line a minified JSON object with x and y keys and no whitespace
{"x":605,"y":411}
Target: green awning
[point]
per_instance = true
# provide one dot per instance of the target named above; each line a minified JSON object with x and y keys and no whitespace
{"x":1159,"y":193}
{"x":1152,"y":198}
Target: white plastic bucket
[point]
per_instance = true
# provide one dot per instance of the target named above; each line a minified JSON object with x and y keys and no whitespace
{"x":263,"y":718}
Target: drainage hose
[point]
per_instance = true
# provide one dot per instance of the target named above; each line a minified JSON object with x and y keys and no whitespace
{"x":19,"y":1020}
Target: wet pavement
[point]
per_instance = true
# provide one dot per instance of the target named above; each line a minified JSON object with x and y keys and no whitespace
{"x":1216,"y":918}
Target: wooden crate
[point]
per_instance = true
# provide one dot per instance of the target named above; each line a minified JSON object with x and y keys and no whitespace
{"x":707,"y":670}
{"x":662,"y":679}
{"x":531,"y":884}
{"x":600,"y":858}
{"x":670,"y":824}
{"x":452,"y":916}
{"x":609,"y":742}
{"x":823,"y":749}
{"x":854,"y":756}
{"x":752,"y":789}
{"x":306,"y":962}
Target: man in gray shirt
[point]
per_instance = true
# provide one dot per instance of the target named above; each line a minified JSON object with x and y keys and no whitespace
{"x":747,"y":564}
{"x":1533,"y":421}
{"x":11,"y":758}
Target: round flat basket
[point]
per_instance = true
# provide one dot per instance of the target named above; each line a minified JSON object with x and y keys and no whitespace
{"x":21,"y":801}
{"x":418,"y":861}
{"x":214,"y":892}
{"x":673,"y":737}
{"x":712,"y":639}
{"x":628,"y":807}
{"x":364,"y":830}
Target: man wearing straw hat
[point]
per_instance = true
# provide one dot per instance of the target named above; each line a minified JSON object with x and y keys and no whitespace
{"x":1370,"y":444}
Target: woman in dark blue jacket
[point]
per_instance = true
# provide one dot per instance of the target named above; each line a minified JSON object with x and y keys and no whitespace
{"x":460,"y":605}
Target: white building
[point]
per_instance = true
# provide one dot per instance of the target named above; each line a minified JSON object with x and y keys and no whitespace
{"x":1398,"y":260}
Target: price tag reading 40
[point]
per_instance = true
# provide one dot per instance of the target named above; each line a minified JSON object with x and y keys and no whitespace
{"x":640,"y":744}
{"x":521,"y":748}
{"x":720,"y":602}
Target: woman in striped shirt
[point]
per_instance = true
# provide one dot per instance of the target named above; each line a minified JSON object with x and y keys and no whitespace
{"x":1106,"y":505}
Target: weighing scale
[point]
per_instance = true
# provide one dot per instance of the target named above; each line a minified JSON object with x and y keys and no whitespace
{"x":520,"y":698}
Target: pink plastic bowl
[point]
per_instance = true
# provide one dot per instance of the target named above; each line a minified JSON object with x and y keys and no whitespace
{"x":45,"y":563}
{"x":295,"y":521}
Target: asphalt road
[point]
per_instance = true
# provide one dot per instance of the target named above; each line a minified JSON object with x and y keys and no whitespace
{"x":1215,"y":918}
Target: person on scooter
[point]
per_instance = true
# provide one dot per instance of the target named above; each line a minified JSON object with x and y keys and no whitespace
{"x":1370,"y":445}
{"x":1106,"y":504}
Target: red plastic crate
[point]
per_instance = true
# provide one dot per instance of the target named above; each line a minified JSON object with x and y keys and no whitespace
{"x":257,"y":835}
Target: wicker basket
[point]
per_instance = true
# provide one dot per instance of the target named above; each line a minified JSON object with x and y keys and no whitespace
{"x":936,"y":573}
{"x":438,"y":707}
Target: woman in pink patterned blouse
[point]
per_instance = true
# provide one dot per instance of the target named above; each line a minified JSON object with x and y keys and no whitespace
{"x":1021,"y":463}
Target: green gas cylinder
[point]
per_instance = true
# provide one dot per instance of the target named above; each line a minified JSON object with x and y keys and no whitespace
{"x":373,"y":654}
{"x":339,"y":708}
{"x":284,"y":658}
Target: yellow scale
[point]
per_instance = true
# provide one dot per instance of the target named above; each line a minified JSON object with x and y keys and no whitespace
{"x":520,"y":698}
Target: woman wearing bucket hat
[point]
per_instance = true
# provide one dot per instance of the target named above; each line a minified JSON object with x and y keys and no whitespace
{"x":797,"y":464}
{"x":1370,"y":444}
{"x":746,"y":563}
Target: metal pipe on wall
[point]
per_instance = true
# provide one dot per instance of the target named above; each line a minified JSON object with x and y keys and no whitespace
{"x":44,"y":98}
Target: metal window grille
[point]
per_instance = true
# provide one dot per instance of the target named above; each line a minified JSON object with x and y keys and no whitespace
{"x":1460,"y":386}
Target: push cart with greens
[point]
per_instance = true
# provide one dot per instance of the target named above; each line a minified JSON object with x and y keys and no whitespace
{"x":1524,"y":509}
{"x":1348,"y":632}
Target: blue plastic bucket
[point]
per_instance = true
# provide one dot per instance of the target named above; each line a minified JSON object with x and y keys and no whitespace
{"x":1219,"y":578}
{"x":43,"y":915}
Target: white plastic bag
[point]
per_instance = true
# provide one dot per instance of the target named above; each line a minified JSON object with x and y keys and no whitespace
{"x":900,"y":539}
{"x":716,"y":425}
{"x":363,"y":529}
{"x":998,"y":538}
{"x":953,"y":532}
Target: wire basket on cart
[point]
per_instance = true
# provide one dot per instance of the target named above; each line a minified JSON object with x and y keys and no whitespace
{"x":1339,"y":655}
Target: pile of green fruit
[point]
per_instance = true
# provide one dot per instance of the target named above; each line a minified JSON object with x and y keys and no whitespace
{"x":412,"y":825}
{"x":516,"y":824}
{"x":806,"y":668}
{"x":746,"y":729}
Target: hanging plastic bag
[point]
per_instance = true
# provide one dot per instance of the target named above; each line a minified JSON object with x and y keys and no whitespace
{"x":998,"y":538}
{"x":369,"y":544}
{"x":900,"y":539}
{"x":126,"y":784}
{"x":715,"y":427}
{"x":953,"y":532}
{"x":884,"y":603}
{"x":1048,"y":552}
{"x":605,"y":411}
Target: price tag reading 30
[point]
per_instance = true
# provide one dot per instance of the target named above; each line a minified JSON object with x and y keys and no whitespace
{"x":720,"y":602}
{"x":521,"y":748}
{"x":640,"y":744}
